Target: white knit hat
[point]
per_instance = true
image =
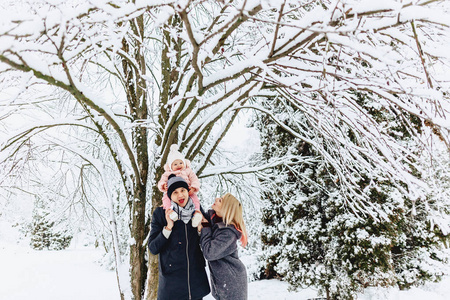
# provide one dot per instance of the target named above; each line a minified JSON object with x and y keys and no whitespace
{"x":174,"y":154}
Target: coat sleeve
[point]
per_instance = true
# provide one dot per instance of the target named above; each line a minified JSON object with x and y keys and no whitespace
{"x":163,"y":180}
{"x":218,"y":246}
{"x":207,"y":214}
{"x":193,"y":179}
{"x":157,"y":240}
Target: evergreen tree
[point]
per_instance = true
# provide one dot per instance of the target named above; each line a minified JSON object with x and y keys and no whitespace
{"x":45,"y":233}
{"x":312,"y":237}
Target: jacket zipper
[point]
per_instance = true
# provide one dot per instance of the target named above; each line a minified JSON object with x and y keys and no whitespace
{"x":187,"y":257}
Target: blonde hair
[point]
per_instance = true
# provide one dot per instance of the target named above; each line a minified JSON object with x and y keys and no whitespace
{"x":232,"y":214}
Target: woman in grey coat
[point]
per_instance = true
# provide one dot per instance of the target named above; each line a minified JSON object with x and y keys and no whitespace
{"x":218,"y":241}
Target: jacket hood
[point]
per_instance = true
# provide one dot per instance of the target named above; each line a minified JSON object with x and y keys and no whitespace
{"x":187,"y":164}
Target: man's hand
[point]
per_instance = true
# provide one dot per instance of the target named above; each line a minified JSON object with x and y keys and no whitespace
{"x":191,"y":191}
{"x":168,"y":219}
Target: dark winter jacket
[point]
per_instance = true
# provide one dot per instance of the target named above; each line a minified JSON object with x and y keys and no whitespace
{"x":182,"y":272}
{"x":228,"y":274}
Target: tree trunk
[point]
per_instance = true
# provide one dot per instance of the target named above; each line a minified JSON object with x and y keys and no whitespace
{"x":153,"y":271}
{"x":137,"y":100}
{"x":152,"y":281}
{"x":138,"y":230}
{"x":138,"y":268}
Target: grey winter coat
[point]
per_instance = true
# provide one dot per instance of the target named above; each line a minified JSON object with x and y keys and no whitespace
{"x":228,"y":274}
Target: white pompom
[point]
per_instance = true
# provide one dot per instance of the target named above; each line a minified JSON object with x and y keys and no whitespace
{"x":173,"y":148}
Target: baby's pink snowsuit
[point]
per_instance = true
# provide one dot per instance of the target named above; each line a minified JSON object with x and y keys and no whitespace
{"x":188,"y":175}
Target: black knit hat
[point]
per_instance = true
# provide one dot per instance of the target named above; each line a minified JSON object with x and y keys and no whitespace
{"x":175,"y":182}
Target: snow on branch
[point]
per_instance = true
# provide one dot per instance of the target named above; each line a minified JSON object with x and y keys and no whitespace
{"x":246,"y":169}
{"x":33,"y":129}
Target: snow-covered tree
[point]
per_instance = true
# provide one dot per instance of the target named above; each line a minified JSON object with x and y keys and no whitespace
{"x":141,"y":75}
{"x":47,"y":233}
{"x":312,"y":238}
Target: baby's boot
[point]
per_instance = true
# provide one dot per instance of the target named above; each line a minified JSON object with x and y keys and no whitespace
{"x":173,"y":215}
{"x":197,"y":218}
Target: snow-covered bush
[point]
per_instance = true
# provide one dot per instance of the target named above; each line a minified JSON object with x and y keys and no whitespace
{"x":46,"y":233}
{"x":313,"y":237}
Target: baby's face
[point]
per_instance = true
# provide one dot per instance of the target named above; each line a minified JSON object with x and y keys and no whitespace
{"x":177,"y":164}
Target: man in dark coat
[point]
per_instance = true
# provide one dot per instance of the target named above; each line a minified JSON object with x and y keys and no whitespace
{"x":182,"y":274}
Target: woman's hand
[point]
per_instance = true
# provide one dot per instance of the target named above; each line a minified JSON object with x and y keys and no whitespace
{"x":200,"y":225}
{"x":168,"y":219}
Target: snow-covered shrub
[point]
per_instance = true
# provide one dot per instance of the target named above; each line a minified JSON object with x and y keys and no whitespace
{"x":314,"y":235}
{"x":47,"y":233}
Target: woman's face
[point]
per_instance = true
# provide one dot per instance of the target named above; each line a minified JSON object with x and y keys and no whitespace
{"x":180,"y":196}
{"x":217,"y":206}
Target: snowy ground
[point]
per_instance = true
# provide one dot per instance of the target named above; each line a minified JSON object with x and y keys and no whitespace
{"x":75,"y":274}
